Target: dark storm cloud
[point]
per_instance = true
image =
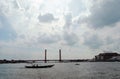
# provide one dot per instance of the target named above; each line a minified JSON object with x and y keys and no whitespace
{"x":46,"y":18}
{"x":104,"y":13}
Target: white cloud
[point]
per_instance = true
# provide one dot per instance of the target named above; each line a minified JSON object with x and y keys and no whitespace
{"x":77,"y":7}
{"x":57,"y":24}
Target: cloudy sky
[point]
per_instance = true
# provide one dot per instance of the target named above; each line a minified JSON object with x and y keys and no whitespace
{"x":81,"y":28}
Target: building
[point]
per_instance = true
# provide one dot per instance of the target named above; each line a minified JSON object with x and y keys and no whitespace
{"x":108,"y":56}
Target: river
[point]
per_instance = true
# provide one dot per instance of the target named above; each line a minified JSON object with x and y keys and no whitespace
{"x":86,"y":70}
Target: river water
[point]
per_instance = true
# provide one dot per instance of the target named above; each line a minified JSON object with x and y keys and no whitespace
{"x":86,"y":70}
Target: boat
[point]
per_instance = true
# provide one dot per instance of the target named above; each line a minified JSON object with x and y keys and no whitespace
{"x":42,"y":66}
{"x":34,"y":65}
{"x":77,"y":64}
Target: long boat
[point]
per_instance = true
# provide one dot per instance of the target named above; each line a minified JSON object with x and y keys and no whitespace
{"x":42,"y":66}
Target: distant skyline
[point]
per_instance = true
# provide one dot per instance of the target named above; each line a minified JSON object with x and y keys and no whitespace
{"x":80,"y":28}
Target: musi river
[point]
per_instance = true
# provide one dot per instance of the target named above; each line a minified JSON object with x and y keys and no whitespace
{"x":86,"y":70}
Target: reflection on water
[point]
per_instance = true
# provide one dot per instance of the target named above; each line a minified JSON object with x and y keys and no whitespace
{"x":86,"y":70}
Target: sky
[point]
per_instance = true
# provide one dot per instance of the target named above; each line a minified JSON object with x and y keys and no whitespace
{"x":80,"y":28}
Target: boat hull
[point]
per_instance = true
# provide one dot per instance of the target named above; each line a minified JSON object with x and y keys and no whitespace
{"x":45,"y":66}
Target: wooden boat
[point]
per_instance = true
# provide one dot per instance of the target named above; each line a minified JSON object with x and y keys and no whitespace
{"x":42,"y":66}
